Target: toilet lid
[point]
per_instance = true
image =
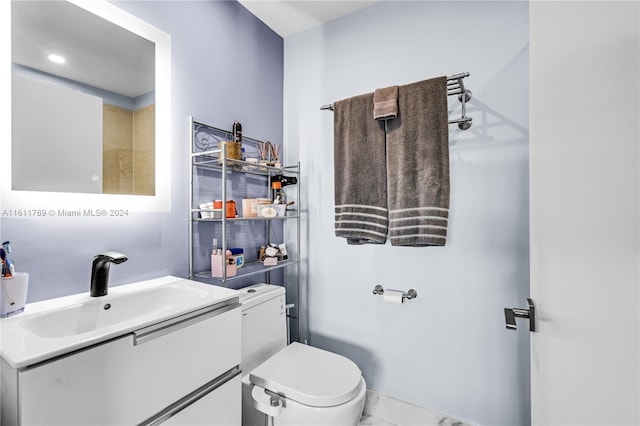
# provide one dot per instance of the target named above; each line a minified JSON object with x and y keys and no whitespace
{"x":309,"y":375}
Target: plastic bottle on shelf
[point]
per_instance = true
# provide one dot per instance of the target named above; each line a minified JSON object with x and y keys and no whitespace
{"x":237,"y":132}
{"x":278,"y":196}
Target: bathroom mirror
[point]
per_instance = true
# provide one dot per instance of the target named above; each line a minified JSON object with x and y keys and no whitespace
{"x":90,"y":124}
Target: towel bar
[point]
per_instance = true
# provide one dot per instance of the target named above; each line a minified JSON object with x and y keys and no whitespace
{"x":455,"y":86}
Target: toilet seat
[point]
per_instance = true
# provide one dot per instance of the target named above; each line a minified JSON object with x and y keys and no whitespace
{"x":309,"y":375}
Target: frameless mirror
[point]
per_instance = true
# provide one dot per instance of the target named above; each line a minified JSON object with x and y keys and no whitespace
{"x":83,"y":102}
{"x":90,"y":103}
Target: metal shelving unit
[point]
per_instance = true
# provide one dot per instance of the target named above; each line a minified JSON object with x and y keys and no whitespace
{"x":203,"y":155}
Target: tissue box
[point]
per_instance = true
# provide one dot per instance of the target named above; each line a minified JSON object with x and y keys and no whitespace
{"x":13,"y":294}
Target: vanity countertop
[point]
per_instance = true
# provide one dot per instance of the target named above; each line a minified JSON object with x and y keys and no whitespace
{"x":58,"y":326}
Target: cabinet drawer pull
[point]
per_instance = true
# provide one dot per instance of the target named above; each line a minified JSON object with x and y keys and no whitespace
{"x":163,"y":328}
{"x":189,"y":399}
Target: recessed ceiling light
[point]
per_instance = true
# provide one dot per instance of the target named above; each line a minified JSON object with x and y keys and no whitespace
{"x":57,"y":59}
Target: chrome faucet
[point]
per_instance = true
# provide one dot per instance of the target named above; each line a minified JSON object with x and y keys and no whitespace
{"x":100,"y":271}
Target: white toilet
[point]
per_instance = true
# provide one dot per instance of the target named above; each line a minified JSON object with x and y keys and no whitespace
{"x":296,"y":384}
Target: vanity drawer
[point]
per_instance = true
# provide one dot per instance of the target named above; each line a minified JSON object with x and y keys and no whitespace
{"x":129,"y":379}
{"x":221,"y":407}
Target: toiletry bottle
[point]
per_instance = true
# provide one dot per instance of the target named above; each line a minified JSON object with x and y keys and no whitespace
{"x":283,"y":251}
{"x":7,"y":266}
{"x":237,"y":132}
{"x":285,"y":180}
{"x":3,"y":264}
{"x":277,"y":193}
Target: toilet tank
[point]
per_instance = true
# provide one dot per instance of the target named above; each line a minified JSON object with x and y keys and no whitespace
{"x":264,"y":324}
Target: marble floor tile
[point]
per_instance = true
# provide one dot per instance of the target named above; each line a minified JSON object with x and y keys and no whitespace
{"x":366,"y":420}
{"x":391,"y":411}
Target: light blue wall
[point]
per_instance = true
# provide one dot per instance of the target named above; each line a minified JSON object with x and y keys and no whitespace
{"x":226,"y":65}
{"x":448,"y":350}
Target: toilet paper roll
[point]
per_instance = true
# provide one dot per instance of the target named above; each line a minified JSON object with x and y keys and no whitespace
{"x":393,"y":296}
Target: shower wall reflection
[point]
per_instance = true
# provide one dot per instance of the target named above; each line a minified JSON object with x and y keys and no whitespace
{"x":128,"y":155}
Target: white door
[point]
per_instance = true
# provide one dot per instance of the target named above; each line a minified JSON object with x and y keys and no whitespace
{"x":584,"y":189}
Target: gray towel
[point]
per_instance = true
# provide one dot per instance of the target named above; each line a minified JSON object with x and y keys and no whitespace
{"x":418,"y":165}
{"x":361,"y":214}
{"x":385,"y":103}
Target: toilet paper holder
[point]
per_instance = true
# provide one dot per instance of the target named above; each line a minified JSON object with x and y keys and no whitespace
{"x":411,"y":294}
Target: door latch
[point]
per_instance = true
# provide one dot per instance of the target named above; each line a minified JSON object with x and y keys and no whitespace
{"x":510,"y":315}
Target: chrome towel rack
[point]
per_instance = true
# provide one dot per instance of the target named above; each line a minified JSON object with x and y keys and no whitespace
{"x":455,"y":86}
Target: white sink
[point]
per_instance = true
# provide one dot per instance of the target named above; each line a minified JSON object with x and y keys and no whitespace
{"x":57,"y":326}
{"x":104,"y":312}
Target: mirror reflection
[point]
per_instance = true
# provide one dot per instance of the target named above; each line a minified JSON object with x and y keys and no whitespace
{"x":83,"y":102}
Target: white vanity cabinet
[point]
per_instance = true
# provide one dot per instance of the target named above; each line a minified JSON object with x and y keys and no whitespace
{"x":181,"y":371}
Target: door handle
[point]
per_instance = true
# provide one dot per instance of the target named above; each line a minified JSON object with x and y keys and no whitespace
{"x":510,"y":315}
